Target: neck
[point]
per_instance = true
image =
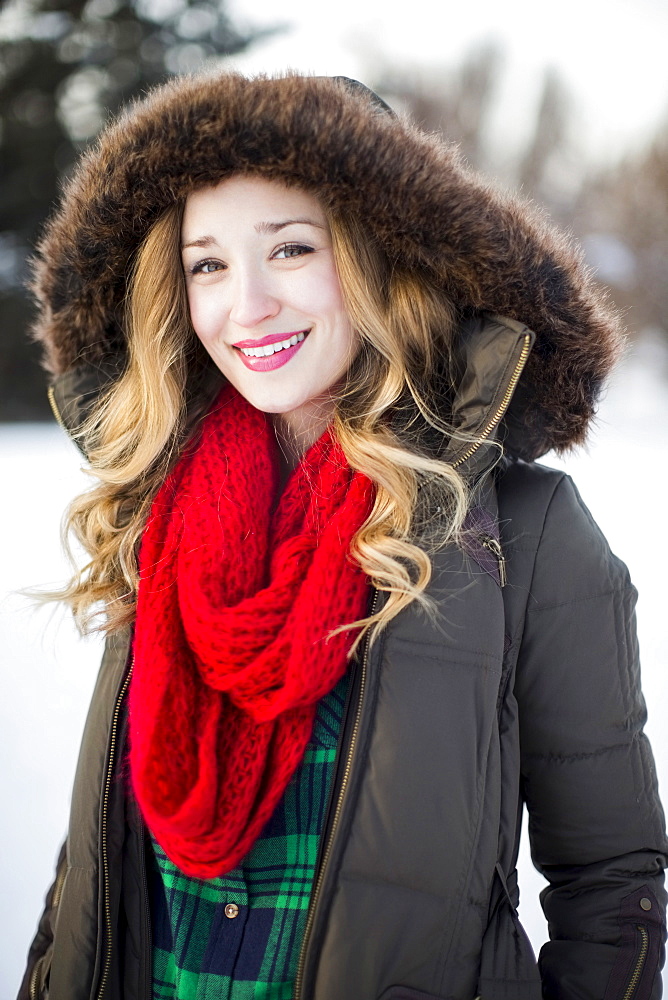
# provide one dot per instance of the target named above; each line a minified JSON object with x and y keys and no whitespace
{"x":296,"y":431}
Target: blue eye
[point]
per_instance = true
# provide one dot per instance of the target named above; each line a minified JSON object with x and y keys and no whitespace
{"x":291,"y":250}
{"x":206,"y":267}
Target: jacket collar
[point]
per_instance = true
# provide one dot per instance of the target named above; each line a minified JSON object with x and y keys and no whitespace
{"x":492,"y":355}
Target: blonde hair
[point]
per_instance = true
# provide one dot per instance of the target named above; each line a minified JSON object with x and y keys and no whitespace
{"x":387,"y":418}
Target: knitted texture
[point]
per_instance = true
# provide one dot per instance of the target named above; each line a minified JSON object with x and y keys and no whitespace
{"x":231,"y":648}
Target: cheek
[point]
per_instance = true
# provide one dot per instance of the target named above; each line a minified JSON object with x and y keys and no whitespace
{"x":325,"y":298}
{"x":347,"y":340}
{"x":330,"y":293}
{"x":204,"y":315}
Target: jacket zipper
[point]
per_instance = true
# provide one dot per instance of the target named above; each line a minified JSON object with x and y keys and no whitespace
{"x":503,"y":405}
{"x":34,"y":977}
{"x":337,"y":815}
{"x":58,"y":887}
{"x":55,"y":901}
{"x":105,"y":861}
{"x":493,"y":545}
{"x":51,"y":394}
{"x":640,"y":963}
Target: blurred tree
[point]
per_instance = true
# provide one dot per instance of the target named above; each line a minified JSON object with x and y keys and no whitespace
{"x":623,"y":212}
{"x":550,"y":140}
{"x":456,"y":103}
{"x":460,"y":103}
{"x":620,"y":213}
{"x":64,"y":66}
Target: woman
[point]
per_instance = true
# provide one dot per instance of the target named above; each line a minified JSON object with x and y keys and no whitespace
{"x":351,"y":626}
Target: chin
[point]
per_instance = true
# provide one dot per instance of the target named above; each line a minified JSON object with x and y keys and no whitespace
{"x":274,"y":407}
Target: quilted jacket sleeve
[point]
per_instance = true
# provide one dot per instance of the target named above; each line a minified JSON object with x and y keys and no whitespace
{"x":595,"y":822}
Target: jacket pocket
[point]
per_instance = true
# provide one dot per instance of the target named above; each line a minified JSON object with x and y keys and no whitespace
{"x":508,"y":968}
{"x":634,"y":972}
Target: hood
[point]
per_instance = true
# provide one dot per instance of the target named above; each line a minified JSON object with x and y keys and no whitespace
{"x":492,"y":253}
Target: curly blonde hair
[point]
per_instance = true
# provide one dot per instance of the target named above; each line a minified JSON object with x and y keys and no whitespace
{"x":389,"y":418}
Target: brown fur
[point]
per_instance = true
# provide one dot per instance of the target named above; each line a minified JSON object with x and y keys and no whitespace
{"x":490,"y":251}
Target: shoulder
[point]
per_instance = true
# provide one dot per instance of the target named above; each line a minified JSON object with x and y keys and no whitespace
{"x":526,"y":488}
{"x":541,"y":512}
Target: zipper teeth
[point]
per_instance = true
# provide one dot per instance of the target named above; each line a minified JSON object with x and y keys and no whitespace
{"x":34,"y":976}
{"x":644,"y":947}
{"x":54,"y":406}
{"x":337,"y":814}
{"x":105,"y":863}
{"x":58,"y":887}
{"x":503,"y":406}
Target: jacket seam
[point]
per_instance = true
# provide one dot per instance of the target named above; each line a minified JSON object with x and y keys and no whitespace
{"x":584,"y":755}
{"x":519,"y":631}
{"x":581,"y":600}
{"x":512,"y":547}
{"x":494,"y":660}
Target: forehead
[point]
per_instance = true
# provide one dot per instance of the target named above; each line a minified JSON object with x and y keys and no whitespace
{"x":247,"y":200}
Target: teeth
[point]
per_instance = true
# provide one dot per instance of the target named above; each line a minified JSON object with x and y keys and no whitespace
{"x":269,"y":349}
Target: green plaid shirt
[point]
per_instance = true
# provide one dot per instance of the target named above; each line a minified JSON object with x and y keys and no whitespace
{"x":238,"y":937}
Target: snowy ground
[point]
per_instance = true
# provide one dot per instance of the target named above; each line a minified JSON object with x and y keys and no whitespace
{"x":48,"y":672}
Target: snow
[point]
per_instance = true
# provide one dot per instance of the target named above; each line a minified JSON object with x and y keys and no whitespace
{"x":48,"y":672}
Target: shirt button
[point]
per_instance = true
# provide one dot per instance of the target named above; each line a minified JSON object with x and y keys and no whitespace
{"x":646,"y":903}
{"x":231,"y":910}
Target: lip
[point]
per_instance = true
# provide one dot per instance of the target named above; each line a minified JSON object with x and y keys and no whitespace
{"x":274,"y":361}
{"x":272,"y":338}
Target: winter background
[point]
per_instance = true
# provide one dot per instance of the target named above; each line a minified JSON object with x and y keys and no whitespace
{"x":612,"y":55}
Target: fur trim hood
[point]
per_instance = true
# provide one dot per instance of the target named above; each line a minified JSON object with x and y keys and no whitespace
{"x":491,"y":252}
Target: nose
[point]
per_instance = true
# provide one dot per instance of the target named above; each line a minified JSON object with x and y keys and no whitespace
{"x":252,"y":299}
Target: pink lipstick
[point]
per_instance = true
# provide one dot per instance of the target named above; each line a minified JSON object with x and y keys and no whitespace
{"x":271,"y":352}
{"x":271,"y":338}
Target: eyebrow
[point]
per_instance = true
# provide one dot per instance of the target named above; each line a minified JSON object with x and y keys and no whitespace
{"x":274,"y":227}
{"x":263,"y":228}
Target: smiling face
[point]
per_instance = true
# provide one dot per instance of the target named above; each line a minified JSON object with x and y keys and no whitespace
{"x":265,"y":298}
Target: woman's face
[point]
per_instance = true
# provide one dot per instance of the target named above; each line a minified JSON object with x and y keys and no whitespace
{"x":264,"y":295}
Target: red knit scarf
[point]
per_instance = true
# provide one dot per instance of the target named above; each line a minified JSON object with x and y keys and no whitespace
{"x":230,"y":651}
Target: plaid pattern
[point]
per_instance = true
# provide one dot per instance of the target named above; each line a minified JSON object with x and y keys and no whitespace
{"x":199,"y":953}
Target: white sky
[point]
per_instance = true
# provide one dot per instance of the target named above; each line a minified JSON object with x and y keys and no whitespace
{"x":612,"y":53}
